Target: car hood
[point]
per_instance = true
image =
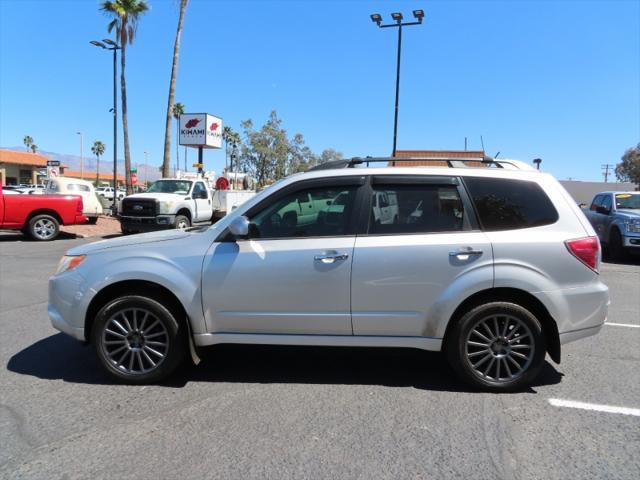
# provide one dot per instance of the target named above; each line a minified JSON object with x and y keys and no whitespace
{"x":628,"y":213}
{"x":134,"y":240}
{"x":158,"y":196}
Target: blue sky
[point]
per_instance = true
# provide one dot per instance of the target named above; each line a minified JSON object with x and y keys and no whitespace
{"x":559,"y":80}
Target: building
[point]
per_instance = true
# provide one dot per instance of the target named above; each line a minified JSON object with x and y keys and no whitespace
{"x":479,"y":154}
{"x":583,"y":192}
{"x":103,"y":177}
{"x":22,"y":168}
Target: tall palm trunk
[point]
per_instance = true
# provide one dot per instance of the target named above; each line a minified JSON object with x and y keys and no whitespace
{"x":97,"y":170}
{"x":166,"y":160}
{"x":178,"y":144}
{"x":125,"y":123}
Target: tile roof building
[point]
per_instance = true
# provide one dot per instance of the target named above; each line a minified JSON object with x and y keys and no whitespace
{"x":21,"y":167}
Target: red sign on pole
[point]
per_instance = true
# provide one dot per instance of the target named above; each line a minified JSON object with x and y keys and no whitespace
{"x":134,"y":178}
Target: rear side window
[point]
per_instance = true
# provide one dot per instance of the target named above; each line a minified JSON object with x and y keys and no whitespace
{"x":406,"y":209}
{"x":74,"y":187}
{"x":504,"y":204}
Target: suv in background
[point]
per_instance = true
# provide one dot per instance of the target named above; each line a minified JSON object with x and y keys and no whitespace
{"x":493,"y":266}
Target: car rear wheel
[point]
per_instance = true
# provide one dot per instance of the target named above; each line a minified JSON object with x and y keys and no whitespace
{"x":138,"y":340}
{"x":92,"y":220}
{"x":43,"y":227}
{"x":498,"y":346}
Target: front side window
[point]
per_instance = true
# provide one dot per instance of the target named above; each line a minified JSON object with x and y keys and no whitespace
{"x":312,"y":212}
{"x":606,"y":202}
{"x":404,"y":209}
{"x":199,"y":191}
{"x":506,"y":204}
{"x":597,"y":201}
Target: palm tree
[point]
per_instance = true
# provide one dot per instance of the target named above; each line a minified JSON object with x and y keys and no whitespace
{"x":166,"y":160}
{"x":178,"y":109}
{"x":125,"y":15}
{"x":28,"y":141}
{"x":34,"y":147}
{"x":98,"y":149}
{"x":229,"y":136}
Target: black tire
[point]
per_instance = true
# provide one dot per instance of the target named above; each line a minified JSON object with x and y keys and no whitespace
{"x":616,"y":249}
{"x":43,"y":228}
{"x":182,"y":220}
{"x":461,"y":355}
{"x":92,"y":220}
{"x":140,"y":342}
{"x":125,"y":230}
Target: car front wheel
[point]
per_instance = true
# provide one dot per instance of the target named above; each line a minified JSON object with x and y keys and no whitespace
{"x":138,"y":340}
{"x":498,"y":346}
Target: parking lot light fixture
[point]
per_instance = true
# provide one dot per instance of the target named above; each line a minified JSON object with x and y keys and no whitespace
{"x":397,"y":17}
{"x":114,"y":47}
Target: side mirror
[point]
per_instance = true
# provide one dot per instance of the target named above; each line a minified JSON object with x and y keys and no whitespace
{"x":603,"y":210}
{"x":239,"y":227}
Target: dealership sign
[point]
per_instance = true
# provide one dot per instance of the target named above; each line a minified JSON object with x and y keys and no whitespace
{"x":200,"y":130}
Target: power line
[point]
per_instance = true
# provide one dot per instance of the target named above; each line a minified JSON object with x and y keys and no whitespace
{"x":605,"y":170}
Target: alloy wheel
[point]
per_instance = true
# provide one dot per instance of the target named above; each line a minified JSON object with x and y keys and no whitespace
{"x":135,"y":341}
{"x":44,"y":229}
{"x":500,"y":348}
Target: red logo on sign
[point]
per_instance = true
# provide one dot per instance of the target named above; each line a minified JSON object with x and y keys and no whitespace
{"x":192,"y":123}
{"x":214,"y":126}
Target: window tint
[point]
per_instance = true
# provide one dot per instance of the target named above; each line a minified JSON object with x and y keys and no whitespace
{"x":198,"y":189}
{"x":74,"y":187}
{"x":606,"y":202}
{"x":596,"y":202}
{"x":415,"y":209}
{"x":313,"y":212}
{"x":504,"y":204}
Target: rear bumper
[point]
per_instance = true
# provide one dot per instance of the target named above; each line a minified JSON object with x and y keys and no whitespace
{"x":80,"y":219}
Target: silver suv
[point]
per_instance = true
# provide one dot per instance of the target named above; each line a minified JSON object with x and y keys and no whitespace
{"x":494,"y":264}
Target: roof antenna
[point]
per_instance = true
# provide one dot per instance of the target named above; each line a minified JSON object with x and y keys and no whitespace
{"x":465,"y":144}
{"x":482,"y":142}
{"x":496,"y":155}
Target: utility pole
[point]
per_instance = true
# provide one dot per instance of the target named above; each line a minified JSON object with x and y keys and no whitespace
{"x":606,"y":167}
{"x":81,"y":157}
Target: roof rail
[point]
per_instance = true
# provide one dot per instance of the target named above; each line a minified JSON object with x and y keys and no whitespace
{"x":451,"y":162}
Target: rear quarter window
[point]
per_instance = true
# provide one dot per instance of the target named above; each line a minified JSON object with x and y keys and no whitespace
{"x":505,"y":204}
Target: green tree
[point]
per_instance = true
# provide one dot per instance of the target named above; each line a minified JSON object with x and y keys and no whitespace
{"x":125,"y":14}
{"x":230,"y":137}
{"x":28,"y":141}
{"x":166,"y":161}
{"x":628,"y":170}
{"x":178,"y":109}
{"x":98,"y":149}
{"x":34,"y":147}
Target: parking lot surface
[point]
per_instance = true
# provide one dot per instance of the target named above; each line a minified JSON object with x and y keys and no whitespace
{"x":284,"y":412}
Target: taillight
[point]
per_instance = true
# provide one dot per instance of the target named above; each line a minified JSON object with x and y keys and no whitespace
{"x":587,"y":250}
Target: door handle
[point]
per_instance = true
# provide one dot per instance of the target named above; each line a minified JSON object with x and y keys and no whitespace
{"x":331,"y":258}
{"x":465,"y":252}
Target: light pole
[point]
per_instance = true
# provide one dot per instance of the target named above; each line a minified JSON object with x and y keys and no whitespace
{"x":113,"y":46}
{"x":146,"y":159}
{"x":397,"y":18}
{"x":81,"y":157}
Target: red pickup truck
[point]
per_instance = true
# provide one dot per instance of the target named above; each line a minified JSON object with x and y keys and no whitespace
{"x":39,"y":216}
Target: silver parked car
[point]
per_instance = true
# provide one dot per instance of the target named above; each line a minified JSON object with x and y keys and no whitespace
{"x":496,"y":266}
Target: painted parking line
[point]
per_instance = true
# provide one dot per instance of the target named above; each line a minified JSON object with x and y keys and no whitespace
{"x":630,"y":325}
{"x":557,"y":402}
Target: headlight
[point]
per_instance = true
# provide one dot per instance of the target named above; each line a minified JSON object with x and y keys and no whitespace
{"x":632,"y":226}
{"x":167,"y":206}
{"x":69,"y":262}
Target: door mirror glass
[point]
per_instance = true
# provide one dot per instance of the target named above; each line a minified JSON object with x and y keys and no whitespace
{"x":239,"y":227}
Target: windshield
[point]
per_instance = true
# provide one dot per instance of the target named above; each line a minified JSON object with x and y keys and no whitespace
{"x":170,"y":186}
{"x":628,"y":200}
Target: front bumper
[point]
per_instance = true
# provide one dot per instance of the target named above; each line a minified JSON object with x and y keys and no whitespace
{"x":61,"y":324}
{"x":68,"y":301}
{"x":631,"y":241}
{"x":147,"y":224}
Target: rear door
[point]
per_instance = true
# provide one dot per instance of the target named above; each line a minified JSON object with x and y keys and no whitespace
{"x":403,"y":270}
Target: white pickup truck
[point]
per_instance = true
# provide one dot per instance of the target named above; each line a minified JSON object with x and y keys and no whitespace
{"x":177,"y":203}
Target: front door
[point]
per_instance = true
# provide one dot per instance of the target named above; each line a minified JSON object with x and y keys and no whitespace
{"x":292,"y":276}
{"x":202,"y":199}
{"x":402,"y":269}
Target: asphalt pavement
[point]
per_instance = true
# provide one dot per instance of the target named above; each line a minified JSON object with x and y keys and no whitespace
{"x":289,"y":412}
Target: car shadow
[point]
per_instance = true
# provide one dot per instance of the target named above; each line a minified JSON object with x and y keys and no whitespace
{"x":20,"y":237}
{"x":60,"y":357}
